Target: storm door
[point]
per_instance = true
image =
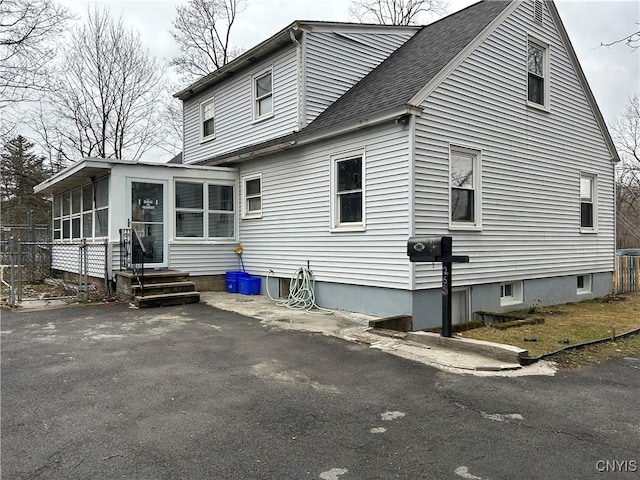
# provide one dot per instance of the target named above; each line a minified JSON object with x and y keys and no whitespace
{"x":148,"y":218}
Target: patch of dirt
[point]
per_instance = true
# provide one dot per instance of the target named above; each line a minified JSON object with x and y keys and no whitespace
{"x":573,"y":324}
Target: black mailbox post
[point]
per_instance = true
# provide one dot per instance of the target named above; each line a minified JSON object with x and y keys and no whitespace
{"x":438,"y":249}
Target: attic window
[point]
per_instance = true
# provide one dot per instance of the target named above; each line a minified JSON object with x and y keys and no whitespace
{"x":263,"y":95}
{"x":537,"y":11}
{"x":537,"y":74}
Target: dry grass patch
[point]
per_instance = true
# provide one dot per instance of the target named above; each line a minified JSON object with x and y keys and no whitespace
{"x":569,"y":325}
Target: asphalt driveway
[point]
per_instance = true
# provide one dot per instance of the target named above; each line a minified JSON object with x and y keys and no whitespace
{"x":198,"y":393}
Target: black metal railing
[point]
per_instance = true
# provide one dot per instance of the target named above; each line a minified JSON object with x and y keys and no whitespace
{"x":132,"y":254}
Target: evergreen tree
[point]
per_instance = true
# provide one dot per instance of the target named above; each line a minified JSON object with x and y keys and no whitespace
{"x":20,"y":171}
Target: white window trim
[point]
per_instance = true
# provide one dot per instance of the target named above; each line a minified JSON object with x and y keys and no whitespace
{"x":254,"y":95}
{"x":594,"y":194}
{"x":335,"y":226}
{"x":516,"y":296}
{"x":206,"y":239}
{"x":188,"y":210}
{"x":477,"y":187}
{"x":547,"y":76}
{"x":201,"y":106}
{"x":246,"y":214}
{"x":587,"y":285}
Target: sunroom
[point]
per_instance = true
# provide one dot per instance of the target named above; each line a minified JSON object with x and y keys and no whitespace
{"x":184,"y":216}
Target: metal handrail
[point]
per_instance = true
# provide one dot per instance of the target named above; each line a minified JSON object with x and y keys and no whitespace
{"x":130,"y":244}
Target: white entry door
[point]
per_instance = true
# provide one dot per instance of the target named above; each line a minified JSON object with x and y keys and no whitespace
{"x":148,"y":217}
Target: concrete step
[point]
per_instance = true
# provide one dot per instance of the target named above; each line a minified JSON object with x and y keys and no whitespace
{"x":165,"y":300}
{"x":163,"y":288}
{"x":157,"y":276}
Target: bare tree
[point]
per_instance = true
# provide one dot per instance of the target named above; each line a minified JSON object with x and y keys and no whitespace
{"x":626,"y":134}
{"x":107,"y":100}
{"x":202,"y":29}
{"x":632,"y":41}
{"x":396,"y":12}
{"x":27,"y":31}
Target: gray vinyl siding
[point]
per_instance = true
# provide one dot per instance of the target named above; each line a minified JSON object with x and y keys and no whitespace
{"x":531,"y":164}
{"x":211,"y":259}
{"x":295,"y":224}
{"x":234,"y":125}
{"x":334,"y":62}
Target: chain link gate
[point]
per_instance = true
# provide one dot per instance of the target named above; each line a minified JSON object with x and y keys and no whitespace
{"x":83,"y":266}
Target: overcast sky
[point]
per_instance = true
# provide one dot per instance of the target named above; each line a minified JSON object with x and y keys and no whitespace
{"x":613,"y":72}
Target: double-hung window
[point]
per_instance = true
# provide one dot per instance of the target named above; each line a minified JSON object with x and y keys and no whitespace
{"x":263,"y":95}
{"x":207,"y":119}
{"x":537,"y":74}
{"x":587,"y":202}
{"x":464,"y":168}
{"x":348,"y":199}
{"x":252,"y":195}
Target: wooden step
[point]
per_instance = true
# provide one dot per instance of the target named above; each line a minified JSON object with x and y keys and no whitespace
{"x":165,"y":300}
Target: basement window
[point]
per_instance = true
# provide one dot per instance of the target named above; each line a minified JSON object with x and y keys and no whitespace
{"x":511,"y":293}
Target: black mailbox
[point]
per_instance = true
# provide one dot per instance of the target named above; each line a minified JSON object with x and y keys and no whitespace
{"x":428,"y":249}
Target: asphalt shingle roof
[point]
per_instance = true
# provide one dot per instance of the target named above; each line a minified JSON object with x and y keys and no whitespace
{"x":399,"y":77}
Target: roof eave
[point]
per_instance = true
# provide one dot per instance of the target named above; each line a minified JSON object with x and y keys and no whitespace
{"x":304,"y":138}
{"x":260,"y":51}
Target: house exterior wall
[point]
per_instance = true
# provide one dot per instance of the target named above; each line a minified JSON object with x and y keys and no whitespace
{"x":295,"y":225}
{"x":233,"y":105}
{"x":531,"y":164}
{"x":306,"y":80}
{"x":337,"y":60}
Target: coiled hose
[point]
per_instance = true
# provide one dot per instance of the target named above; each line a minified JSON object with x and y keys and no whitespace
{"x":301,"y":292}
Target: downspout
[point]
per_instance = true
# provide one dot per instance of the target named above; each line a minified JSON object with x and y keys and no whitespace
{"x":298,"y":79}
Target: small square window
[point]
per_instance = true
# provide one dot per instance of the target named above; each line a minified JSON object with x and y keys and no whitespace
{"x":207,"y":119}
{"x":583,"y":284}
{"x":252,"y":193}
{"x":263,"y":95}
{"x":511,"y":293}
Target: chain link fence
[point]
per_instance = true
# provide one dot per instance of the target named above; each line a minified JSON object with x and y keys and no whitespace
{"x":79,"y":270}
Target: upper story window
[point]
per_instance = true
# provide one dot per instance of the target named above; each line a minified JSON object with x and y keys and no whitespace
{"x":347,"y":195}
{"x":538,"y":74}
{"x":263,"y":95}
{"x":252,"y":194}
{"x":207,"y":130}
{"x":587,"y":202}
{"x":464,"y":165}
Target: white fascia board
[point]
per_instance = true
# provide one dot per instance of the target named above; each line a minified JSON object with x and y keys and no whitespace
{"x":435,"y":82}
{"x":72,"y":170}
